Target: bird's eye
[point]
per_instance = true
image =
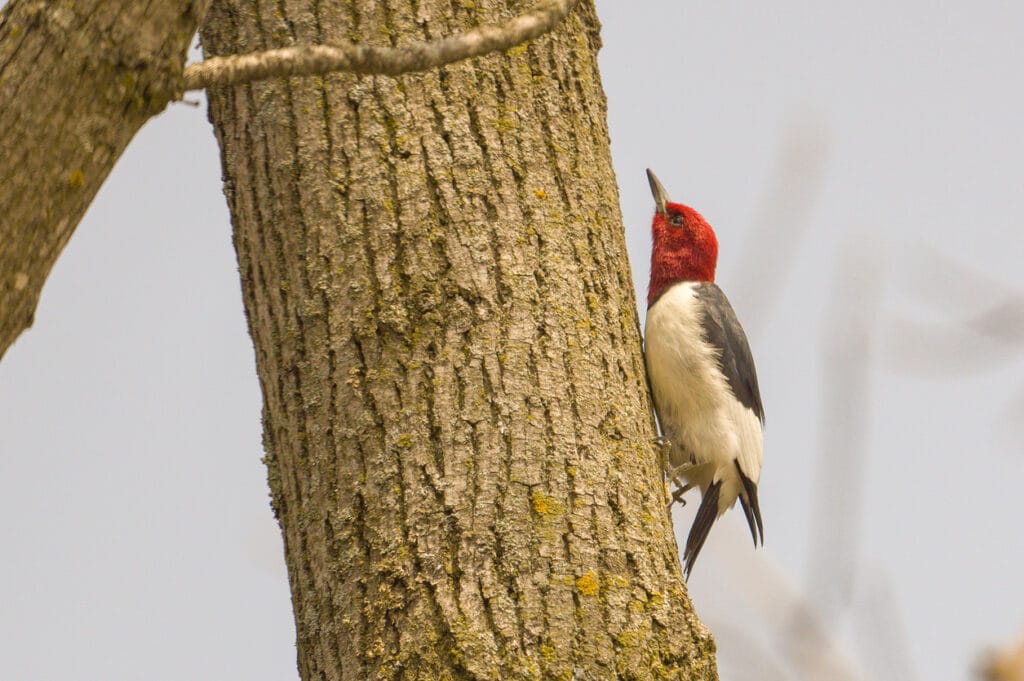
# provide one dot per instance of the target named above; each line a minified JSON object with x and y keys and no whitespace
{"x":676,"y":220}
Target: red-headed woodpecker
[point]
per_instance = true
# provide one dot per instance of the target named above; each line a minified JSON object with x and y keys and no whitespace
{"x":701,"y":372}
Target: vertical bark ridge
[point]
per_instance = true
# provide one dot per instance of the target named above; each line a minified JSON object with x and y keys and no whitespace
{"x":459,"y":442}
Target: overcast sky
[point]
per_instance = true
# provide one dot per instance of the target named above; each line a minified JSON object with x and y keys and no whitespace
{"x":862,"y":165}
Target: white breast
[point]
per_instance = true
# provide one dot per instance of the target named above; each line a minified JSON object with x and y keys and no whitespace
{"x":708,"y":428}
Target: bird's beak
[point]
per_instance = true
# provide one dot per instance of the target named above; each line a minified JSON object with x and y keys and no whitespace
{"x":660,"y":195}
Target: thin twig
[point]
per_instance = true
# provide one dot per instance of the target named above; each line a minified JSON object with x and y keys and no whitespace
{"x":309,"y":60}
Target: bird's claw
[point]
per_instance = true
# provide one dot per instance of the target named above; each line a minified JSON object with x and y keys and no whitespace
{"x":665,"y":445}
{"x":678,"y":492}
{"x":677,"y":496}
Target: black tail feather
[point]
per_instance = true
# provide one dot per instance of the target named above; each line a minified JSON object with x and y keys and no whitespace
{"x":750,"y":506}
{"x":751,"y":522}
{"x":707,"y":512}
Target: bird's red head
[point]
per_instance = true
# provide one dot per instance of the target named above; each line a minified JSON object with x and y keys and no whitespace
{"x":685,"y":247}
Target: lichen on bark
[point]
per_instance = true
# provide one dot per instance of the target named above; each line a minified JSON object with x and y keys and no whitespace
{"x":458,"y":435}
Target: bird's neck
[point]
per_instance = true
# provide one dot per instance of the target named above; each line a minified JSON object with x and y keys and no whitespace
{"x":672,"y":267}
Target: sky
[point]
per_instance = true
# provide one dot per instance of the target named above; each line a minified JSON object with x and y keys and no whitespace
{"x":861,"y":163}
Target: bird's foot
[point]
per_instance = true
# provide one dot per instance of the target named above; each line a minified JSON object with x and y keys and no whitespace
{"x":678,"y":498}
{"x":677,"y":494}
{"x":664,"y":444}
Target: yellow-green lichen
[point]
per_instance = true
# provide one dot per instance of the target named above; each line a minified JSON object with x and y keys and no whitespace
{"x":505,"y":124}
{"x":630,"y":638}
{"x":545,"y":505}
{"x":587,"y":584}
{"x":616,"y":582}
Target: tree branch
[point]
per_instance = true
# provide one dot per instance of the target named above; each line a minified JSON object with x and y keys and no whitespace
{"x":77,"y":80}
{"x":309,"y":60}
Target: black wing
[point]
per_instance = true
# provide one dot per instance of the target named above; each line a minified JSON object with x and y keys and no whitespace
{"x":723,"y":331}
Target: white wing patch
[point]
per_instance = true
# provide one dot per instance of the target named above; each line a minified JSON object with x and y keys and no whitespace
{"x":706,"y":425}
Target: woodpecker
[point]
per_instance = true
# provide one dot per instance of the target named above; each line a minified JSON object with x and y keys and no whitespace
{"x":701,"y":373}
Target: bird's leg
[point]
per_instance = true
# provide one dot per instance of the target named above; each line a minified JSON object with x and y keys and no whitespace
{"x":677,"y":495}
{"x":664,"y":444}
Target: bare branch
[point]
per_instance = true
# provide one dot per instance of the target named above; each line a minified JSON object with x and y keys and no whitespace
{"x":64,"y":125}
{"x":309,"y":60}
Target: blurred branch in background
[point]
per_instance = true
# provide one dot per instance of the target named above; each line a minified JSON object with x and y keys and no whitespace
{"x":980,"y":321}
{"x":801,"y":633}
{"x":758,"y":661}
{"x":775,"y":630}
{"x":879,"y":630}
{"x":771,"y":244}
{"x":978,"y":326}
{"x":780,"y":630}
{"x":1014,"y":424}
{"x":836,"y":506}
{"x":1003,"y":665}
{"x":808,"y":627}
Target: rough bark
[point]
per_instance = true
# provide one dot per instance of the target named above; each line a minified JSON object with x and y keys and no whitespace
{"x":458,"y":435}
{"x":77,"y":81}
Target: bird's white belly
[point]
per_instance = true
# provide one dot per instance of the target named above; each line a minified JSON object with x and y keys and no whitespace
{"x":708,"y":429}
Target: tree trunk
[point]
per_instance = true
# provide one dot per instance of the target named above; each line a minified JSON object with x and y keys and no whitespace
{"x":458,"y":433}
{"x":77,"y":81}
